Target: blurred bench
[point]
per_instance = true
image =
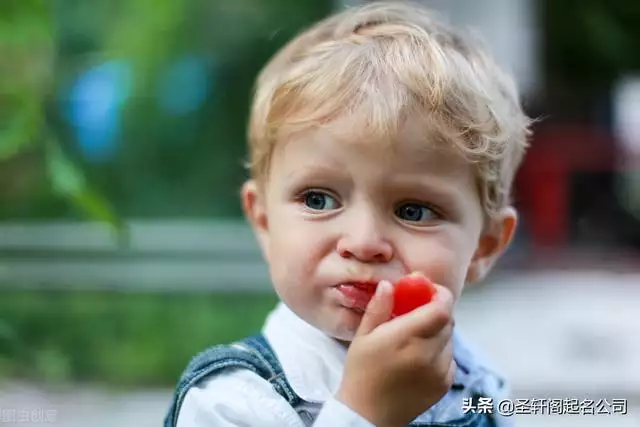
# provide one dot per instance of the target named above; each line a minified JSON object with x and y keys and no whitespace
{"x":160,"y":256}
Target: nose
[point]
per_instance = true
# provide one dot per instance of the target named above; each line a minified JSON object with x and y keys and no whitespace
{"x":365,"y":241}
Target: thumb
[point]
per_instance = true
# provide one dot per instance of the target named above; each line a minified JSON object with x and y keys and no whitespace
{"x":378,"y":310}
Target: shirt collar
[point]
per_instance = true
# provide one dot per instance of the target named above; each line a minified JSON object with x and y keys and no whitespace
{"x":313,"y":362}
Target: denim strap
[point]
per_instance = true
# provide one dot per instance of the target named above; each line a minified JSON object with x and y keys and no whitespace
{"x":262,"y":349}
{"x":256,"y":354}
{"x":253,"y":353}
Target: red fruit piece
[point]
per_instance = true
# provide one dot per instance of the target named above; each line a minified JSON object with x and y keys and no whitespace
{"x":411,"y":292}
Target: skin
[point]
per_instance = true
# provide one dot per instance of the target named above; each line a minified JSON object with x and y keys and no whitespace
{"x":338,"y":208}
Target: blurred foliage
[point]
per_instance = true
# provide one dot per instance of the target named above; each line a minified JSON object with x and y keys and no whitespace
{"x":188,"y":163}
{"x":589,"y":43}
{"x":27,"y":49}
{"x":119,"y":339}
{"x":165,"y":163}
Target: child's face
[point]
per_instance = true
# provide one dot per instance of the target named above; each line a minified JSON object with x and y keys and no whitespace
{"x":335,"y":211}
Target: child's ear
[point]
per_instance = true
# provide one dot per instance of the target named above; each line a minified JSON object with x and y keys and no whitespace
{"x":255,"y":210}
{"x":493,"y":242}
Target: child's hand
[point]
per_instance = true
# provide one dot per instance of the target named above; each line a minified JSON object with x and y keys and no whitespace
{"x":397,"y":369}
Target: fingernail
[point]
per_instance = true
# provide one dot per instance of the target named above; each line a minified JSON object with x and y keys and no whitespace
{"x":383,"y":286}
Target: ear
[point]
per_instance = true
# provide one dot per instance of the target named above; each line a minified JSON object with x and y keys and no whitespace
{"x":255,"y":210}
{"x":495,"y":239}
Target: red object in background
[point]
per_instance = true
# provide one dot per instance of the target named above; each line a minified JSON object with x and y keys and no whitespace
{"x":410,"y":292}
{"x":543,"y":184}
{"x":546,"y":189}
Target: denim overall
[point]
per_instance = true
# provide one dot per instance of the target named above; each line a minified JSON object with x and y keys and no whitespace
{"x":255,"y":354}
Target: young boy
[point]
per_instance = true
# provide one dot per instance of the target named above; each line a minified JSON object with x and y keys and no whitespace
{"x":382,"y":142}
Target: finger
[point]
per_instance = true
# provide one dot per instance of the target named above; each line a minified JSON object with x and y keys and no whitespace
{"x":444,"y":296}
{"x":446,"y":363}
{"x":378,"y":310}
{"x":440,"y":345}
{"x":426,"y":321}
{"x":443,"y":341}
{"x":447,"y":346}
{"x":433,"y":317}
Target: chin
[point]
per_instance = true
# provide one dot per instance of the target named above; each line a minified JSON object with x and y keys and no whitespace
{"x":346,"y":325}
{"x":337,"y":322}
{"x":342,"y":336}
{"x":344,"y":339}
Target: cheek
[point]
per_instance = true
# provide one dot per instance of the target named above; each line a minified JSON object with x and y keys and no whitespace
{"x":295,"y":247}
{"x":443,"y":258}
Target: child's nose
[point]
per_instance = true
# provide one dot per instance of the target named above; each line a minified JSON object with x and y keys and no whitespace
{"x":366,"y":243}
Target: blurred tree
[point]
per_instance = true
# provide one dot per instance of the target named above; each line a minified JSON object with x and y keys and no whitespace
{"x":193,"y":160}
{"x":176,"y":84}
{"x":591,"y":42}
{"x":148,"y":98}
{"x":30,"y":155}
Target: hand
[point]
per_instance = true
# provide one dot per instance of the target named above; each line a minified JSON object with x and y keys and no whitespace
{"x":397,"y":369}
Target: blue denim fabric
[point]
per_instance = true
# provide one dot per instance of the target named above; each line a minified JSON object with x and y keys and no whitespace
{"x":255,"y":353}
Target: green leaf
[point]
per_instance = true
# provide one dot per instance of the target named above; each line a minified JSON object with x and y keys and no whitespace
{"x":97,"y":207}
{"x":68,"y":181}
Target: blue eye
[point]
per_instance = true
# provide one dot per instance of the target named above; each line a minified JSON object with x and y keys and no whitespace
{"x":319,"y":201}
{"x":416,"y":213}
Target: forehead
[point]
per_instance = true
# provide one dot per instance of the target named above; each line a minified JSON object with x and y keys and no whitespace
{"x":412,"y":147}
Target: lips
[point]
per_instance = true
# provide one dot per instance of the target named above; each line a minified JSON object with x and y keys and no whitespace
{"x":358,"y":294}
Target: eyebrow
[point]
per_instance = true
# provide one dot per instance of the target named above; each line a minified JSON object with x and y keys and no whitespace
{"x":313,"y":170}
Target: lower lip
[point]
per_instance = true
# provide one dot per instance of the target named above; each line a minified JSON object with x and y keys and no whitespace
{"x":356,"y":298}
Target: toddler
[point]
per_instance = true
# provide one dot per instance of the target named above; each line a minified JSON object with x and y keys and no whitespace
{"x":382,"y":142}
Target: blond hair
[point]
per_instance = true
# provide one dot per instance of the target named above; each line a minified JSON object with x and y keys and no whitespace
{"x":384,"y":62}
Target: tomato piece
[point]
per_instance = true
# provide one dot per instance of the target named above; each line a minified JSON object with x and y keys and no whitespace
{"x":410,"y":292}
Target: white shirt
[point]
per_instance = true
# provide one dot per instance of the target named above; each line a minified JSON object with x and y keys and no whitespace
{"x":312,"y":363}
